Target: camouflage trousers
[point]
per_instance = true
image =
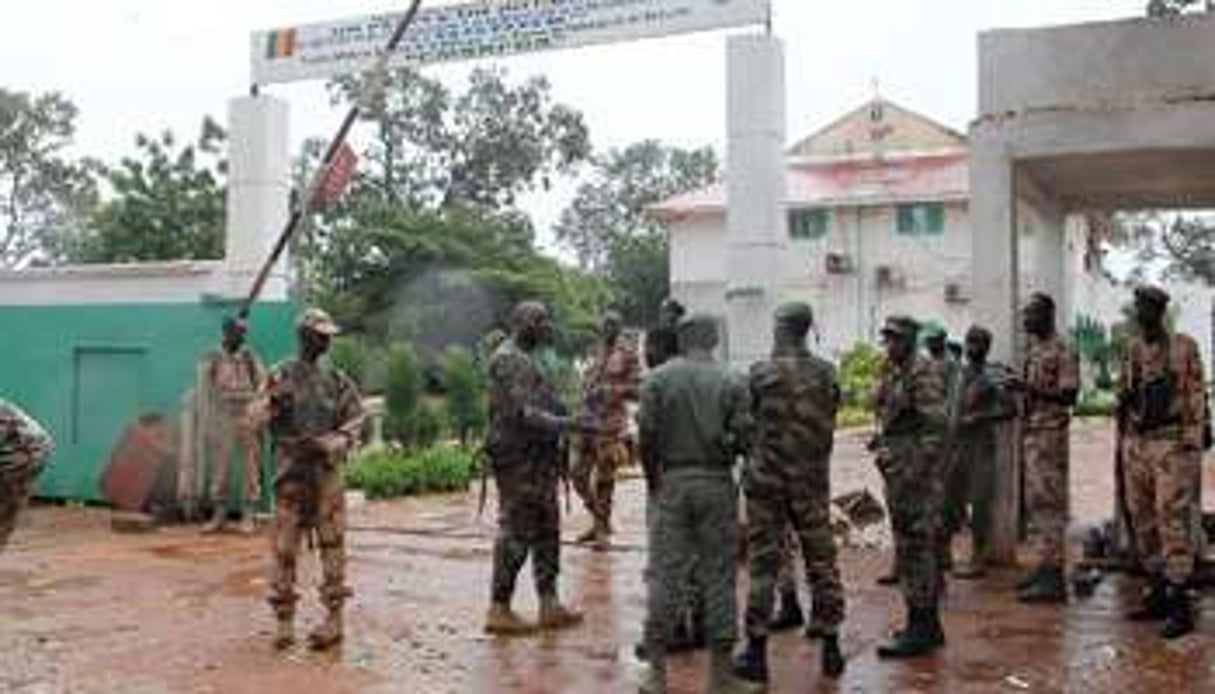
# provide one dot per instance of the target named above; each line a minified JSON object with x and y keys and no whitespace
{"x":802,"y":506}
{"x":303,"y":507}
{"x":915,"y":486}
{"x":16,"y":485}
{"x":970,"y":490}
{"x":229,"y":428}
{"x":594,"y":475}
{"x":693,"y":522}
{"x":529,"y":519}
{"x":786,"y":573}
{"x":1046,"y":494}
{"x":1162,"y":481}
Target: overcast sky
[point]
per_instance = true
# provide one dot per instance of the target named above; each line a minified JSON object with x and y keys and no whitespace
{"x":148,"y":65}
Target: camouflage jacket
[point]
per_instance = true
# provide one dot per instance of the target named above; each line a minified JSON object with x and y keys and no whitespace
{"x":981,"y":400}
{"x":307,"y":401}
{"x":1050,"y":366}
{"x":23,"y":441}
{"x":1180,"y":360}
{"x":524,"y":408}
{"x":231,"y":377}
{"x":794,"y":397}
{"x":911,"y":399}
{"x":611,"y":383}
{"x":693,"y":413}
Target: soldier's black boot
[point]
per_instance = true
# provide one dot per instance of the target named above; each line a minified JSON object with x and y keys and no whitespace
{"x":922,"y":636}
{"x":1029,"y":579}
{"x":1153,"y":601}
{"x":688,"y":635}
{"x":831,"y":658}
{"x":1179,"y":612}
{"x":788,"y":614}
{"x":890,"y":578}
{"x":1049,"y":588}
{"x":751,"y":664}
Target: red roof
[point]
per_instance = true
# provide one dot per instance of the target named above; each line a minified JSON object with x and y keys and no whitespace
{"x":909,"y":178}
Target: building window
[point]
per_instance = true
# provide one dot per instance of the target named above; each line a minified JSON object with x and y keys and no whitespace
{"x":809,"y":223}
{"x":921,"y":219}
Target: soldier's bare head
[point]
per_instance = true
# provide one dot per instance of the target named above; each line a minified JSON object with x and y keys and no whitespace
{"x":698,"y":334}
{"x":234,"y":329}
{"x":531,"y":324}
{"x":1038,"y":316}
{"x":792,"y":321}
{"x":978,"y":344}
{"x":1151,"y":308}
{"x":610,"y":326}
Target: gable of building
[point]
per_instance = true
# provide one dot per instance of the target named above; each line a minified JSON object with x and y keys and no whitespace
{"x":878,"y":127}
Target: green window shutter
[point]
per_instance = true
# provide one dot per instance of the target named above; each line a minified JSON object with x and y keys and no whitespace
{"x":809,"y":223}
{"x":921,"y":219}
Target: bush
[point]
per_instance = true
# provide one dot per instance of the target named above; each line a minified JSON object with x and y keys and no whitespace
{"x":465,"y":393}
{"x":1097,"y":403}
{"x":404,"y":390}
{"x":859,"y":371}
{"x":852,"y":417}
{"x":351,"y":356}
{"x":385,"y":474}
{"x":427,"y":424}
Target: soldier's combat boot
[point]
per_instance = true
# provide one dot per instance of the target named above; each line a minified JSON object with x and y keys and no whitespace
{"x":788,"y":614}
{"x":602,"y":541}
{"x":1030,"y":578}
{"x":329,"y":633}
{"x":247,"y":525}
{"x":554,"y":615}
{"x":751,"y":663}
{"x":688,"y":635}
{"x":1049,"y":588}
{"x":1179,"y":616}
{"x":590,"y":535}
{"x":922,"y":636}
{"x":831,"y":658}
{"x":502,"y":621}
{"x":1153,"y":601}
{"x":284,"y":634}
{"x":216,"y":524}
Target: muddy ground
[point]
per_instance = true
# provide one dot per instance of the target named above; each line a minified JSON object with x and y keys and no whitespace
{"x":85,"y":610}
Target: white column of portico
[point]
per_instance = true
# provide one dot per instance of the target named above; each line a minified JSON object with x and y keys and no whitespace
{"x":755,"y":190}
{"x":259,"y":190}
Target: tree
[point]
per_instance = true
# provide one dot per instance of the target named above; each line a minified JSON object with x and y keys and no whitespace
{"x":1173,"y":8}
{"x":481,"y":147}
{"x":404,"y":393}
{"x":465,"y":392}
{"x":607,"y":225}
{"x":168,"y":203}
{"x":1181,"y":244}
{"x":44,"y":195}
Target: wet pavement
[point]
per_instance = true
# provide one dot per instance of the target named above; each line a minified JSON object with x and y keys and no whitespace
{"x":84,"y":610}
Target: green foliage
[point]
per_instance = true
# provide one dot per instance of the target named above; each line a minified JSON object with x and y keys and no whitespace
{"x":1182,"y":243}
{"x":465,"y":386}
{"x":45,"y":196}
{"x":385,"y":474}
{"x":859,"y":370}
{"x":427,"y":424}
{"x":853,"y":417}
{"x":609,"y":229}
{"x":351,"y":355}
{"x":1094,"y":344}
{"x":1097,"y":403}
{"x":168,"y":203}
{"x":404,"y":392}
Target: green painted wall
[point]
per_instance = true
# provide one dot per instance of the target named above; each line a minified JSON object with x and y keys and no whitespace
{"x":86,"y":372}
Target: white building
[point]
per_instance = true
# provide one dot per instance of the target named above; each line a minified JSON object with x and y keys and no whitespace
{"x":878,"y":224}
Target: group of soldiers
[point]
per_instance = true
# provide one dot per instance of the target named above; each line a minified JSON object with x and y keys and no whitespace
{"x":696,"y":420}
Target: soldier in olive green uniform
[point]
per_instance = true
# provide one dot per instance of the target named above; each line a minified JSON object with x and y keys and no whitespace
{"x":911,"y":412}
{"x":24,"y":449}
{"x":794,"y":397}
{"x":1049,"y":384}
{"x":692,"y":424}
{"x":526,"y":421}
{"x":1164,"y":411}
{"x":315,"y":417}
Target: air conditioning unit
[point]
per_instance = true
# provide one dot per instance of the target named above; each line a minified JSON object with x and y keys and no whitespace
{"x":888,"y":276}
{"x":838,"y":264}
{"x":955,"y":293}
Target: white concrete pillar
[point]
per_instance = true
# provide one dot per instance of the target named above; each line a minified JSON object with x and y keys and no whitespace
{"x":755,"y":190}
{"x":259,"y":192}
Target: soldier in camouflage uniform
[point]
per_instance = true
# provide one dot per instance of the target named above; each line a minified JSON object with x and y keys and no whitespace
{"x":936,"y":342}
{"x":1164,"y":410}
{"x":981,"y":404}
{"x":24,"y":449}
{"x":611,"y":384}
{"x":693,"y":422}
{"x":315,"y":417}
{"x":526,"y":422}
{"x":1048,"y":386}
{"x":911,"y":412}
{"x":231,"y":377}
{"x":794,"y":397}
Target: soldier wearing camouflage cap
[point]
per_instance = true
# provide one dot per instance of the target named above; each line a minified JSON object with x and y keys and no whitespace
{"x":787,"y":480}
{"x":315,"y":416}
{"x":911,"y":413}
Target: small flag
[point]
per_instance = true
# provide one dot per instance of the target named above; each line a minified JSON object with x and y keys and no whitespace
{"x":337,"y":176}
{"x":280,"y":44}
